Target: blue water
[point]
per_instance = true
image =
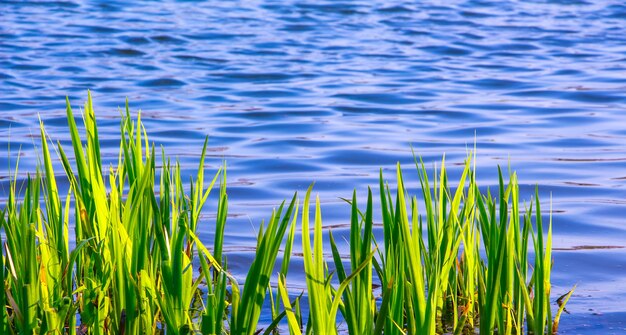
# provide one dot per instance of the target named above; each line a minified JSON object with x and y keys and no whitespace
{"x":292,"y":92}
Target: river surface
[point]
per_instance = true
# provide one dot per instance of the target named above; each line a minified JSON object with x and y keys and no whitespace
{"x":291,"y":92}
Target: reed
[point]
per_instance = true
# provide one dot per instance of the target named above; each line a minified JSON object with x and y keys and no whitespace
{"x":471,"y":262}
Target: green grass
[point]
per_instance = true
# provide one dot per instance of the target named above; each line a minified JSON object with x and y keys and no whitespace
{"x":470,"y":262}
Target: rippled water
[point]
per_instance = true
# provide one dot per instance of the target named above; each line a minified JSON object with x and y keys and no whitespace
{"x":292,"y":92}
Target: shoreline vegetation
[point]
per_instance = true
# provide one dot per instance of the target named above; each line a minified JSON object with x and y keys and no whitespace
{"x":471,"y":262}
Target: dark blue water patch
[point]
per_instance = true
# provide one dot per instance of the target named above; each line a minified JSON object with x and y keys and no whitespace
{"x":475,"y":46}
{"x":572,"y":3}
{"x":111,"y":6}
{"x":446,"y":50}
{"x":499,"y":84}
{"x":6,"y":124}
{"x":580,"y":55}
{"x":166,"y":39}
{"x":21,"y":85}
{"x":6,"y":76}
{"x":217,"y":36}
{"x":476,"y":14}
{"x":396,"y":9}
{"x":568,"y":72}
{"x":8,"y":106}
{"x":341,"y":8}
{"x":577,"y":142}
{"x":348,"y":109}
{"x":216,"y":98}
{"x":70,"y":69}
{"x":559,"y":42}
{"x":135,"y":40}
{"x":269,"y":93}
{"x":258,"y":52}
{"x":555,"y":111}
{"x":142,"y":67}
{"x":517,"y":55}
{"x":91,"y":79}
{"x":423,"y":69}
{"x":295,"y":28}
{"x":94,"y":29}
{"x":421,"y":94}
{"x":291,"y":105}
{"x":472,"y":36}
{"x":414,"y":32}
{"x":125,"y":52}
{"x":616,"y":12}
{"x":299,"y":142}
{"x":267,"y":45}
{"x":62,"y":4}
{"x":62,"y":38}
{"x":609,"y":79}
{"x":267,"y":77}
{"x":110,"y":89}
{"x":59,"y":121}
{"x":72,"y":54}
{"x":271,"y":128}
{"x":518,"y":46}
{"x":503,"y":106}
{"x":28,"y":67}
{"x":364,"y":157}
{"x":267,"y":115}
{"x":161,"y":82}
{"x":178,"y":134}
{"x":200,"y":60}
{"x":469,"y":132}
{"x":589,"y":96}
{"x":286,"y":111}
{"x":505,"y":68}
{"x":379,"y":98}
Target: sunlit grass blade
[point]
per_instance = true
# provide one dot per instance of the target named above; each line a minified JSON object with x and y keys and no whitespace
{"x":294,"y":326}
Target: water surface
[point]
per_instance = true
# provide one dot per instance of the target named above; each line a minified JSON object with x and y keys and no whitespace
{"x":291,"y":92}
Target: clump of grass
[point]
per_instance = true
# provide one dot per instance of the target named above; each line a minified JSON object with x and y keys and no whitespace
{"x":137,"y":266}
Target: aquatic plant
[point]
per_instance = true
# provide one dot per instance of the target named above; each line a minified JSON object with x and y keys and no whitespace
{"x":137,"y":266}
